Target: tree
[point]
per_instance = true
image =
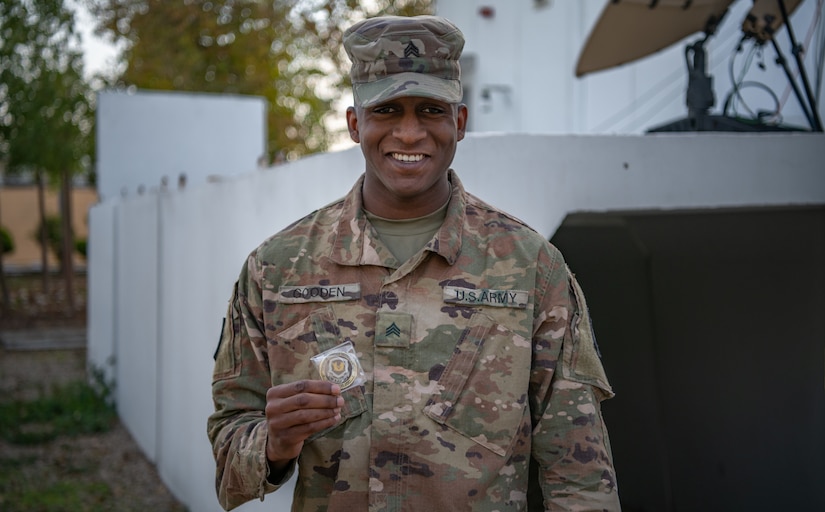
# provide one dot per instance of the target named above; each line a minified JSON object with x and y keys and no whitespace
{"x":6,"y":241}
{"x":288,"y":51}
{"x":46,"y":113}
{"x":53,"y":227}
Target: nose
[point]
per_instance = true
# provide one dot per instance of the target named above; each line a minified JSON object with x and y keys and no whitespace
{"x":409,"y":129}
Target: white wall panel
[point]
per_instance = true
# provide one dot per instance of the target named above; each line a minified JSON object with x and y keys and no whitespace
{"x":190,"y":225}
{"x":541,"y":178}
{"x":145,"y":136}
{"x":100,"y":345}
{"x":136,"y":330}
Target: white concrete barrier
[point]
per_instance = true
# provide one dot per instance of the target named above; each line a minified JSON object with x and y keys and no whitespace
{"x":162,"y":265}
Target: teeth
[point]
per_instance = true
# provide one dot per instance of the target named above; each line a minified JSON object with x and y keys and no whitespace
{"x":407,"y":158}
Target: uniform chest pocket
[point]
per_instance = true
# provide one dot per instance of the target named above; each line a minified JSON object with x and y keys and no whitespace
{"x":293,"y":347}
{"x":483,"y":388}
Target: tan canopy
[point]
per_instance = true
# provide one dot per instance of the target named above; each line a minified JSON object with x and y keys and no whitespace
{"x":628,"y":30}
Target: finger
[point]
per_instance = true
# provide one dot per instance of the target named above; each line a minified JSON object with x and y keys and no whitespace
{"x":304,"y":404}
{"x":281,"y":402}
{"x":298,"y":432}
{"x":285,"y":443}
{"x":318,"y":387}
{"x":280,"y":414}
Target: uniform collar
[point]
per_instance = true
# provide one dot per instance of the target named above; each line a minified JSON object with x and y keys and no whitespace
{"x":356,"y":242}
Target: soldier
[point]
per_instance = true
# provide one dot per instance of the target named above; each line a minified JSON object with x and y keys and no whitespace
{"x":410,"y":347}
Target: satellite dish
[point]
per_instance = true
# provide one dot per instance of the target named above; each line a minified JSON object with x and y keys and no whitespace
{"x":629,"y":30}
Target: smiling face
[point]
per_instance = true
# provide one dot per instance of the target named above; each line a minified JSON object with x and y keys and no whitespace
{"x":408,"y":144}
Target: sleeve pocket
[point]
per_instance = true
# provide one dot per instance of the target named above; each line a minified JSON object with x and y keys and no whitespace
{"x":227,"y":357}
{"x":580,"y":356}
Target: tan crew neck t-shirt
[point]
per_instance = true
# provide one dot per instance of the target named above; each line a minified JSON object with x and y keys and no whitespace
{"x":406,"y":237}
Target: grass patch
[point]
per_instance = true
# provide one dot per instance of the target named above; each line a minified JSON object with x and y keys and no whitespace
{"x":68,"y":410}
{"x":66,"y":484}
{"x":61,"y":496}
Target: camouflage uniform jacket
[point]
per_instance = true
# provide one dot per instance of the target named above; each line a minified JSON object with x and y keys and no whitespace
{"x":478,"y":354}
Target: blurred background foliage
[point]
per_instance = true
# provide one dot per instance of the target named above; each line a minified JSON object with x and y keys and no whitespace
{"x":46,"y":108}
{"x":288,"y":51}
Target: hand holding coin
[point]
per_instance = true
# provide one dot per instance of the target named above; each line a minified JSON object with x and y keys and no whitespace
{"x":295,"y":411}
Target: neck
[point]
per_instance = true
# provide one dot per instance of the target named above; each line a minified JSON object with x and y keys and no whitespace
{"x":382,"y":204}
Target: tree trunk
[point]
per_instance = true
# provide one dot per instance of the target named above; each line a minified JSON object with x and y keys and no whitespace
{"x":44,"y":242}
{"x":68,"y":238}
{"x":4,"y":290}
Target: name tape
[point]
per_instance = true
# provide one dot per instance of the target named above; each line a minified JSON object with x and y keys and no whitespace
{"x":319,"y":293}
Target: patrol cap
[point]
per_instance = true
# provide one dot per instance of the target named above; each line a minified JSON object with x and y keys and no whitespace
{"x":394,"y":56}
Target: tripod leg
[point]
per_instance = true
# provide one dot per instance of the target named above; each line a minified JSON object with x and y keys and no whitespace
{"x":813,"y":115}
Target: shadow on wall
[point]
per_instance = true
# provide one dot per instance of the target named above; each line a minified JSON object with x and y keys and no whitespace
{"x":712,"y":334}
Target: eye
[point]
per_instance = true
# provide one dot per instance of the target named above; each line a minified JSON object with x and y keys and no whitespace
{"x":433,"y":109}
{"x":384,"y":109}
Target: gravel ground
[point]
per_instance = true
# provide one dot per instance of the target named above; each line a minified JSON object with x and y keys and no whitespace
{"x":112,"y":458}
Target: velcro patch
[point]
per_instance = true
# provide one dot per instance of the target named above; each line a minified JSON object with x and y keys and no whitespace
{"x":319,"y":293}
{"x":393,"y":329}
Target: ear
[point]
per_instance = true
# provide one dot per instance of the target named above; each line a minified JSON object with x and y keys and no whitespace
{"x":352,"y":125}
{"x":461,"y":120}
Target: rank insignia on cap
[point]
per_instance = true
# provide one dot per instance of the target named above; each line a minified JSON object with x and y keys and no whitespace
{"x":411,"y":50}
{"x":395,"y":56}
